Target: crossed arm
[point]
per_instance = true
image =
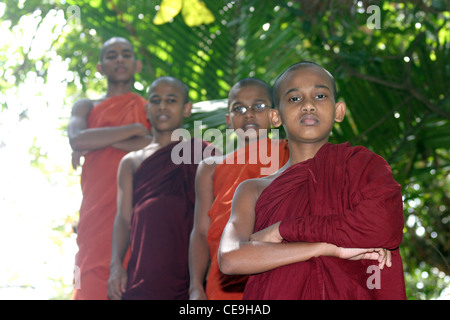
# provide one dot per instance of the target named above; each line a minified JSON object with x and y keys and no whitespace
{"x":82,"y":139}
{"x":374,"y":217}
{"x":243,"y":252}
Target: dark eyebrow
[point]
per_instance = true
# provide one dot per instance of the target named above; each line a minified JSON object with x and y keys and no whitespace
{"x":110,"y":51}
{"x":235,"y":103}
{"x":289,"y":91}
{"x":322,"y":86}
{"x":126,"y":50}
{"x":317,"y":86}
{"x":154,"y":95}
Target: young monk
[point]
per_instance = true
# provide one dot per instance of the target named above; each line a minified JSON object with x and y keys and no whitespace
{"x":104,"y":131}
{"x":155,"y":206}
{"x":249,"y":102}
{"x":290,"y":230}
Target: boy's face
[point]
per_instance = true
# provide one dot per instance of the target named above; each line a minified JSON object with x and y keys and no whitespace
{"x":118,"y":62}
{"x":167,"y":107}
{"x":307,"y":106}
{"x":252,"y":121}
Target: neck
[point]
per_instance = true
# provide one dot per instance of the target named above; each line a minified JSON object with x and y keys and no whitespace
{"x":162,"y":138}
{"x":303,"y":151}
{"x":118,"y":88}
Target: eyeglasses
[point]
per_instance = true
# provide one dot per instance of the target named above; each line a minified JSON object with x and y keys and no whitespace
{"x":257,"y":107}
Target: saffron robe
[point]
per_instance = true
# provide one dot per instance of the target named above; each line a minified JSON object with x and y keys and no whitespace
{"x":346,"y":196}
{"x":99,"y":187}
{"x":227,"y":176}
{"x":160,"y":226}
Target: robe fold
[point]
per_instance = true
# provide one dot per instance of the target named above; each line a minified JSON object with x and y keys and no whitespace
{"x":346,"y":196}
{"x":99,"y":187}
{"x":160,"y":226}
{"x":236,"y":167}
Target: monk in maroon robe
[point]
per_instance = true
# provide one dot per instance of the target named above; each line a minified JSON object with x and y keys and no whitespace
{"x":350,"y":199}
{"x":163,"y":201}
{"x":155,"y":203}
{"x":328,"y":224}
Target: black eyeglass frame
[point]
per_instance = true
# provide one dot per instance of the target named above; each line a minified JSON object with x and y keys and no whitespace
{"x":256,"y":107}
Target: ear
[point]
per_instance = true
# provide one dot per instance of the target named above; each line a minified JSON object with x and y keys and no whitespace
{"x":187,"y":109}
{"x":275,"y":117}
{"x":138,"y":66}
{"x":99,"y":68}
{"x":341,"y":108}
{"x":228,"y":121}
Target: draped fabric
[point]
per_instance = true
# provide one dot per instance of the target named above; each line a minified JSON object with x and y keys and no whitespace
{"x":99,"y":187}
{"x":237,"y":167}
{"x":346,"y":196}
{"x":161,"y":223}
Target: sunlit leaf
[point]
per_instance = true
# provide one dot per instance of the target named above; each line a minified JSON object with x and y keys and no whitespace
{"x":167,"y":11}
{"x":196,"y":13}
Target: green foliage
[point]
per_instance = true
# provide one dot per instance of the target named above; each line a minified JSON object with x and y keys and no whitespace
{"x":391,"y":65}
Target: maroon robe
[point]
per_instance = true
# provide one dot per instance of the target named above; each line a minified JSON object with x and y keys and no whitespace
{"x":161,"y":223}
{"x":346,"y":196}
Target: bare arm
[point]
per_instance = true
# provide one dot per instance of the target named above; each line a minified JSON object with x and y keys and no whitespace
{"x":383,"y":256}
{"x":82,"y":138}
{"x":134,"y":143}
{"x":199,"y":258}
{"x":121,"y":229}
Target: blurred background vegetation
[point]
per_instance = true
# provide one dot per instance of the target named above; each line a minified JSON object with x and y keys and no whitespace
{"x":391,"y":61}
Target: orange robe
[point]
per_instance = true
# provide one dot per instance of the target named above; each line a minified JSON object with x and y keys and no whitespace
{"x":227,"y":176}
{"x":99,"y":187}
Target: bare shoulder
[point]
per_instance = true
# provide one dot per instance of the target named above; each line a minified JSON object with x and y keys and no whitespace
{"x":252,"y":187}
{"x":128,"y":162}
{"x":82,"y":107}
{"x":134,"y":159}
{"x":243,"y":205}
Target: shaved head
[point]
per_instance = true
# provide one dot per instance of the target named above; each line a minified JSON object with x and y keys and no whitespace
{"x":303,"y":64}
{"x":250,"y":81}
{"x":114,"y":40}
{"x":174,"y":82}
